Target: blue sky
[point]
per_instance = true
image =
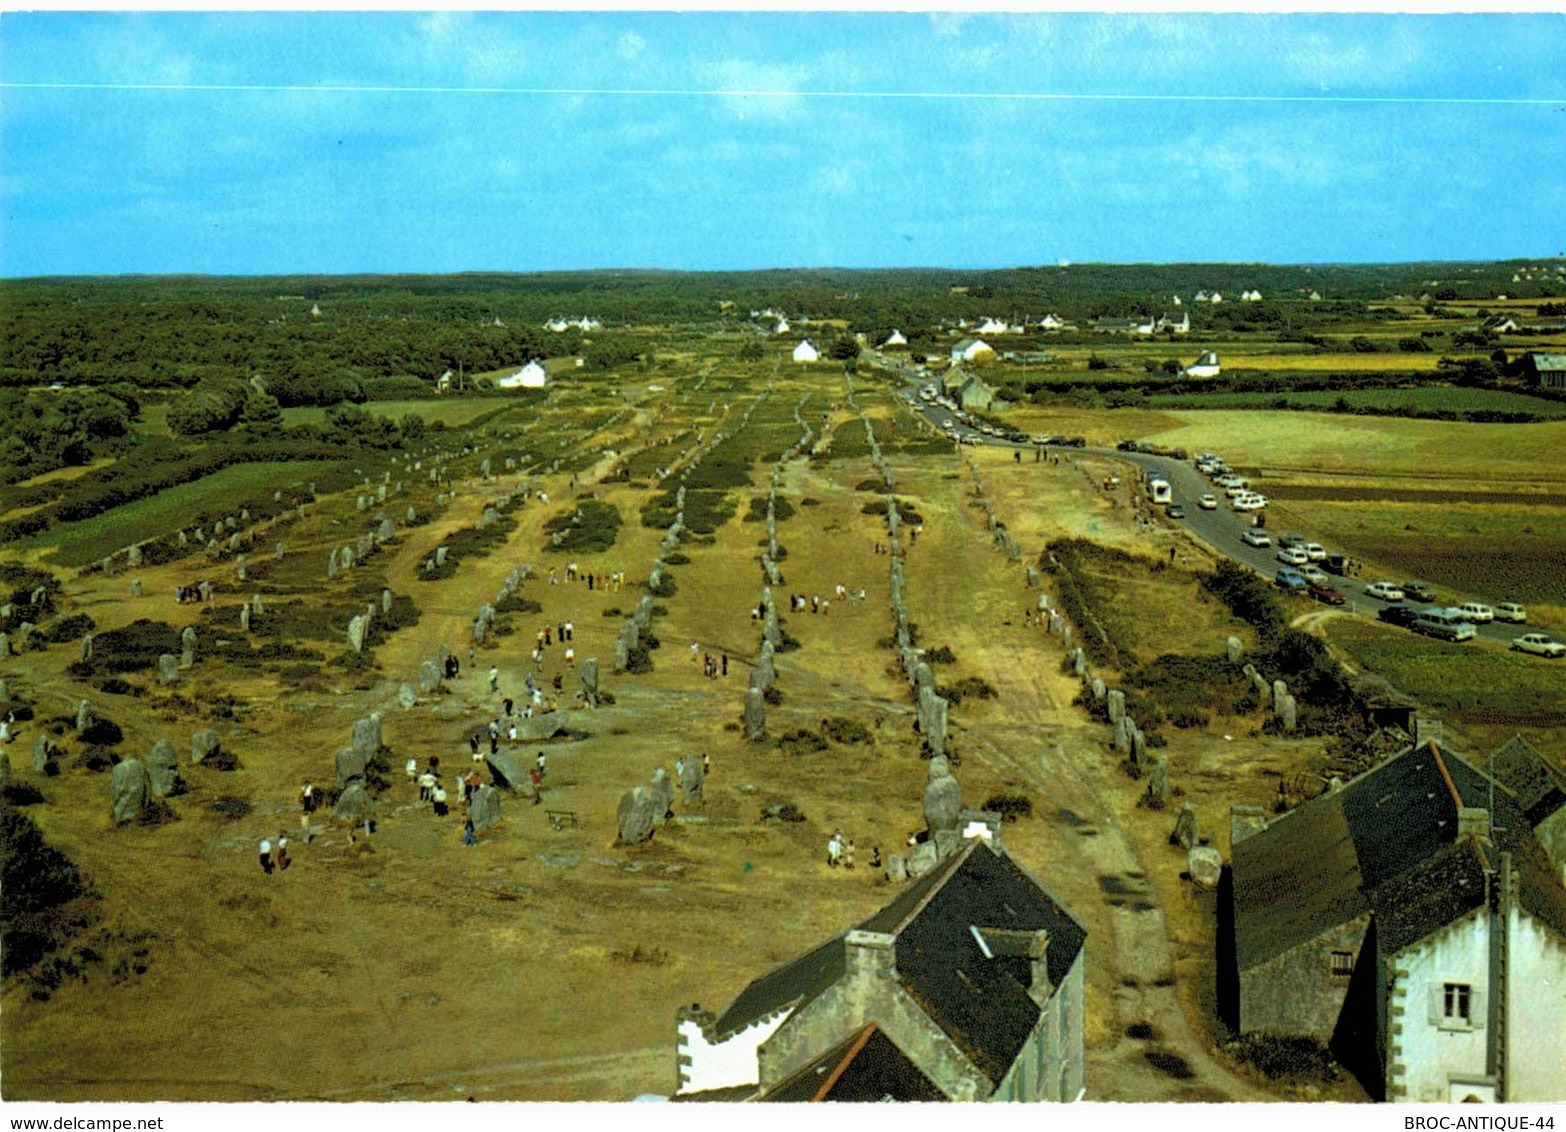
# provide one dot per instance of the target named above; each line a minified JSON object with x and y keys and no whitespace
{"x":339,"y":141}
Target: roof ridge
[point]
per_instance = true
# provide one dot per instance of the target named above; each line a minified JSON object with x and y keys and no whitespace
{"x":935,"y":886}
{"x":1446,"y":775}
{"x":843,"y":1062}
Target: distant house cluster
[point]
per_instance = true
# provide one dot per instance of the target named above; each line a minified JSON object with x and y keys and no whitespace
{"x":560,"y":325}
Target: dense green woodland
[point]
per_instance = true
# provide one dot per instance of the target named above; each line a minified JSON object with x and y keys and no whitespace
{"x":385,"y":336}
{"x":229,"y":354}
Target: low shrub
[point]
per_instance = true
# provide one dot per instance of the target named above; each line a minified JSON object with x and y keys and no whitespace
{"x":847,"y":732}
{"x":801,"y":741}
{"x":1009,"y":806}
{"x":591,"y":526}
{"x":968,"y":688}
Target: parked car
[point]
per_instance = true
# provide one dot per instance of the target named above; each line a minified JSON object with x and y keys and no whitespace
{"x":1386,"y":591}
{"x":1207,"y":503}
{"x":1291,"y":539}
{"x":1400,"y":615}
{"x":1293,"y":556}
{"x":1326,"y":594}
{"x":1316,"y":551}
{"x":1511,"y":611}
{"x":1314,"y":573}
{"x":1444,"y":630}
{"x":1249,"y":502}
{"x":1476,"y":613}
{"x":1336,"y":564}
{"x":1539,"y":645}
{"x":1254,"y":537}
{"x":1175,"y":511}
{"x":1290,"y":580}
{"x":1418,"y":591}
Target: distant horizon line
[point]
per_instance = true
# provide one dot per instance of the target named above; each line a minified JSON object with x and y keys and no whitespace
{"x":393,"y":274}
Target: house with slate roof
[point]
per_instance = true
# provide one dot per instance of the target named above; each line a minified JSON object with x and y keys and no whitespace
{"x":967,"y":987}
{"x":1414,"y":922}
{"x":1547,"y":371}
{"x":971,"y":350}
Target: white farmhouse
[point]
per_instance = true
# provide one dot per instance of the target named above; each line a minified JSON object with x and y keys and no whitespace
{"x":531,"y":376}
{"x":1204,"y":366}
{"x":970,"y":350}
{"x":805,"y":353}
{"x":895,"y":338}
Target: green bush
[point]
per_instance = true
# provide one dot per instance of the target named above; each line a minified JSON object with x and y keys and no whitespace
{"x":844,"y":731}
{"x":38,"y":886}
{"x":1009,"y":806}
{"x":590,"y":527}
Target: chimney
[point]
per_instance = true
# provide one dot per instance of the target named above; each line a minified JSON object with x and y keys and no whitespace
{"x":1473,"y":824}
{"x":1039,"y":988}
{"x":871,"y":954}
{"x":1244,"y":821}
{"x":1427,"y":731}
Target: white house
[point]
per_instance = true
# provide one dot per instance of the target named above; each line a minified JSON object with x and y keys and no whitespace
{"x":993,"y":326}
{"x":443,"y":382}
{"x":1250,"y":296}
{"x":895,"y":338}
{"x":781,"y":327}
{"x":1178,"y":322}
{"x":531,"y":376}
{"x":968,"y":986}
{"x":1204,"y":366}
{"x":806,"y":353}
{"x":971,"y":349}
{"x":1215,"y":297}
{"x":1203,"y":297}
{"x":1052,"y":322}
{"x":1414,"y":921}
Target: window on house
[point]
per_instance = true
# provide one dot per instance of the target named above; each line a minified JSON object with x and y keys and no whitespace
{"x":1342,"y":964}
{"x":1457,"y":1002}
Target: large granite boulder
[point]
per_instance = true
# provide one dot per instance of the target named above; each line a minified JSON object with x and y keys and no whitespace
{"x":204,"y":744}
{"x":942,"y":803}
{"x":163,"y":769}
{"x":349,"y":766}
{"x":636,"y":815}
{"x":508,"y":771}
{"x":129,"y":789}
{"x":662,"y":791}
{"x":1205,"y":865}
{"x":484,"y":806}
{"x":354,"y":803}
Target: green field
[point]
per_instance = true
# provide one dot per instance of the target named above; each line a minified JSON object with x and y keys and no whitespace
{"x":1425,"y":399}
{"x":453,"y":411}
{"x":76,"y":544}
{"x":1471,"y":678}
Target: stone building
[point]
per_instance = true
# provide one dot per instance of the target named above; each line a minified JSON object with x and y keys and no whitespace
{"x":966,"y":987}
{"x":1414,"y":922}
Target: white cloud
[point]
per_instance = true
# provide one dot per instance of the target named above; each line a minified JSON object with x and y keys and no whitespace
{"x":630,"y":45}
{"x":948,"y":25}
{"x":756,"y":90}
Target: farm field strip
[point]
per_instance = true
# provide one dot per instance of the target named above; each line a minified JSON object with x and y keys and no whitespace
{"x":87,"y":540}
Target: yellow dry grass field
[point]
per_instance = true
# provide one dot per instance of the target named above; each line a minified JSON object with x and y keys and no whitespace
{"x":548,"y":963}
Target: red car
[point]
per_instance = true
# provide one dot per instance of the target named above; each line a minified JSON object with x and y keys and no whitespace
{"x":1326,"y":594}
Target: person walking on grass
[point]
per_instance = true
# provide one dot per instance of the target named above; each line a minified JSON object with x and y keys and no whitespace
{"x":468,"y":836}
{"x":266,"y":856}
{"x":282,"y":851}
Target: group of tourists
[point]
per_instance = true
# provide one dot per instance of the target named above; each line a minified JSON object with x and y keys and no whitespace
{"x":610,"y":582}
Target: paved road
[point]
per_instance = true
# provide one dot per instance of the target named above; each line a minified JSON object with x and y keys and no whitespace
{"x":1220,"y":528}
